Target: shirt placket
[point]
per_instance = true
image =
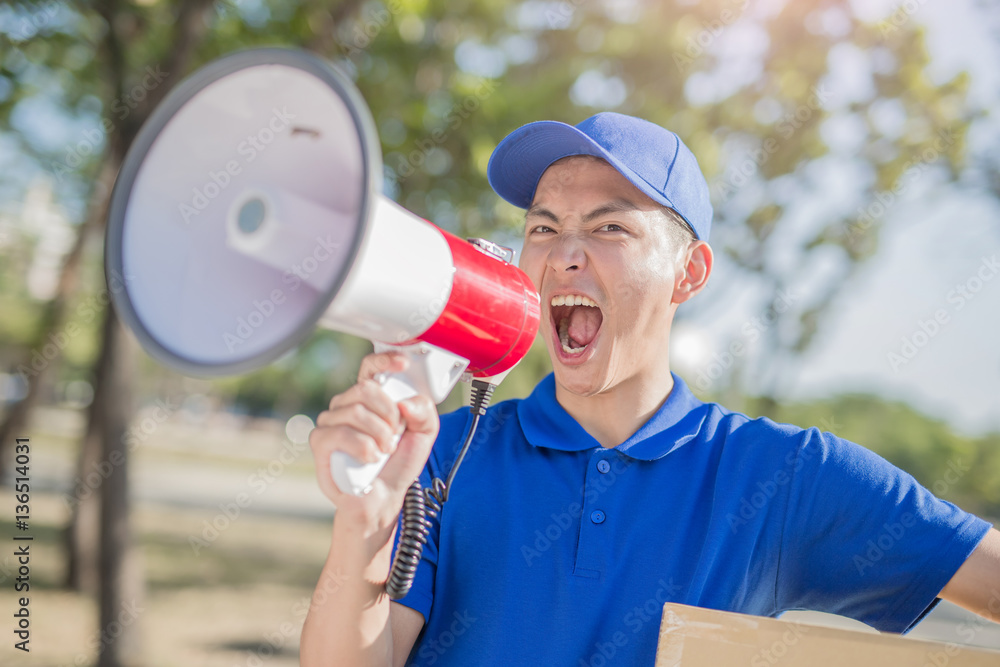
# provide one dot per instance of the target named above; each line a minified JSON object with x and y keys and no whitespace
{"x":597,"y":519}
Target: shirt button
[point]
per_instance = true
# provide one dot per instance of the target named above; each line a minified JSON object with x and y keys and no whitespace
{"x":603,"y":465}
{"x":597,"y":516}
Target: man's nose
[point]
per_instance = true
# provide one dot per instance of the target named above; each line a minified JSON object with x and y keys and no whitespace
{"x":567,"y":253}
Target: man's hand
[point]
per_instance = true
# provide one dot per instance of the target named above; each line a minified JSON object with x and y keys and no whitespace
{"x":362,"y":422}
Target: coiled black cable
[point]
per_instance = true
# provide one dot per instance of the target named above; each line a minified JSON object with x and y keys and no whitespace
{"x":421,"y":503}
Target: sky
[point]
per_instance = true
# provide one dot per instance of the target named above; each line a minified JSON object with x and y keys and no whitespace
{"x":908,"y":301}
{"x":931,"y":248}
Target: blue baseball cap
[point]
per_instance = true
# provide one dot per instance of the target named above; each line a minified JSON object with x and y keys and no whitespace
{"x":652,"y":158}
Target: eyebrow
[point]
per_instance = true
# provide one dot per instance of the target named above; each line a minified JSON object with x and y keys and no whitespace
{"x":613,"y":206}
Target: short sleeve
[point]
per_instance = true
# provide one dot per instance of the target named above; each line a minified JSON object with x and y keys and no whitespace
{"x":863,"y":539}
{"x":421,"y":595}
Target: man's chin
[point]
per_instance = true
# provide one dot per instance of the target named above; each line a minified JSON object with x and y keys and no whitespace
{"x":583,"y":380}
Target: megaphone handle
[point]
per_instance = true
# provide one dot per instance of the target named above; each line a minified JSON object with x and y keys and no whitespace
{"x":351,"y":475}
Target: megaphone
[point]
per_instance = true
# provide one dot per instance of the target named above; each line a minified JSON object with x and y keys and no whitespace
{"x":249,"y":210}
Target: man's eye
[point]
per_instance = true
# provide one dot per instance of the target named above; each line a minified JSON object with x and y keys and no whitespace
{"x":540,"y":229}
{"x":611,"y":227}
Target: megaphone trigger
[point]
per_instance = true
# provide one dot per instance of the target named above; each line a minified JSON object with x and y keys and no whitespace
{"x":431,"y":371}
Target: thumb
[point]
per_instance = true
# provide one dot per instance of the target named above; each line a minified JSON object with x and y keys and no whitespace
{"x":414,"y":447}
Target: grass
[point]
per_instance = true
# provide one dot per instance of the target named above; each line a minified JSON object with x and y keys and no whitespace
{"x":239,"y":601}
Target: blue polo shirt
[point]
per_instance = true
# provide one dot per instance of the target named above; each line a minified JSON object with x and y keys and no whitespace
{"x":553,"y":550}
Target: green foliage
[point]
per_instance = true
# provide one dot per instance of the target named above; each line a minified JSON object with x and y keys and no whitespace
{"x":446,"y":79}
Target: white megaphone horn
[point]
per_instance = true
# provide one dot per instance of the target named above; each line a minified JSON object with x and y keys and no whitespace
{"x":249,"y":210}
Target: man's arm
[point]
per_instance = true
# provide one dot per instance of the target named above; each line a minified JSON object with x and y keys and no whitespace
{"x":350,"y":619}
{"x":976,"y":585}
{"x":406,"y":625}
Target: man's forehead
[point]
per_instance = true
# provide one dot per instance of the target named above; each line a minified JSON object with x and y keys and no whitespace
{"x":615,"y":205}
{"x":586,"y":181}
{"x":571,"y":163}
{"x":574,"y":169}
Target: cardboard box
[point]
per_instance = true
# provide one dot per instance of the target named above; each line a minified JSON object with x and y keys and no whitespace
{"x":696,"y":637}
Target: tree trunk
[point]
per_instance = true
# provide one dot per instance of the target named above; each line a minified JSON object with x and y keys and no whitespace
{"x":120,"y":589}
{"x":84,"y":497}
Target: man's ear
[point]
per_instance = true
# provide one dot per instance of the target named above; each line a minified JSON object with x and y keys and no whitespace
{"x":697,"y":267}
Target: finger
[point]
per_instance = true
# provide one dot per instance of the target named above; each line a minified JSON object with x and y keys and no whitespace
{"x":382,"y":362}
{"x":420,"y":415}
{"x":358,"y":417}
{"x":365,"y":397}
{"x":324,"y":440}
{"x":378,"y":401}
{"x":321,"y":459}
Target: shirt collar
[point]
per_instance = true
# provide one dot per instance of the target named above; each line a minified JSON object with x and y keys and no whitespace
{"x":546,"y":424}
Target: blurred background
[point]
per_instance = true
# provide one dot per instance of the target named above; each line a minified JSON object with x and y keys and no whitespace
{"x":851,"y":151}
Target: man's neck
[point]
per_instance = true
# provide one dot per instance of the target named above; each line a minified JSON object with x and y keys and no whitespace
{"x":611,"y":417}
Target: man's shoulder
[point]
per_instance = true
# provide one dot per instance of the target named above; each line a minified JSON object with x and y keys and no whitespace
{"x":737,"y":427}
{"x":499,"y":417}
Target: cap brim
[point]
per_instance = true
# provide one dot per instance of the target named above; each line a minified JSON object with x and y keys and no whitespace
{"x":518,"y":162}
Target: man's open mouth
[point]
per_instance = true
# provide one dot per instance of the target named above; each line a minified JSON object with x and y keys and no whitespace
{"x":576,"y":319}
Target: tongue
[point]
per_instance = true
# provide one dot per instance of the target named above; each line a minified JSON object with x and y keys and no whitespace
{"x":583,"y":324}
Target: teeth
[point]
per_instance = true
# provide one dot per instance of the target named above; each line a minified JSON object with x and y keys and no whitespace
{"x":573,"y":300}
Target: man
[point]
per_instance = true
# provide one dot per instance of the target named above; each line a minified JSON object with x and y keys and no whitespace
{"x":610,"y":490}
